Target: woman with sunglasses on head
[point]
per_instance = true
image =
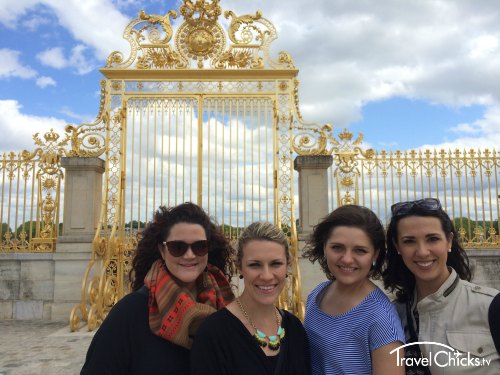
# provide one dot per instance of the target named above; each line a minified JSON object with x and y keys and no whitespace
{"x":179,"y":276}
{"x":251,"y":335}
{"x":351,"y":325}
{"x":429,"y":272}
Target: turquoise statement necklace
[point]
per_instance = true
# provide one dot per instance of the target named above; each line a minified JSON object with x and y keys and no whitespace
{"x":272,"y":342}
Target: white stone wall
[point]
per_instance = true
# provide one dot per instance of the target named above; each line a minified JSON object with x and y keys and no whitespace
{"x":26,"y":286}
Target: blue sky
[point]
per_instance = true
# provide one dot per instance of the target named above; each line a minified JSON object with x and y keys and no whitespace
{"x":406,"y":74}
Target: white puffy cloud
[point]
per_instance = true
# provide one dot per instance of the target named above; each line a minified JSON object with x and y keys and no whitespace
{"x":480,"y":134}
{"x":10,"y":10}
{"x":53,"y":57}
{"x":12,"y":67}
{"x":97,"y":24}
{"x":79,"y":61}
{"x":45,"y":81}
{"x":34,"y":22}
{"x":18,"y":128}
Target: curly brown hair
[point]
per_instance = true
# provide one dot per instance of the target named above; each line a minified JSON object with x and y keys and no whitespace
{"x":350,"y":216}
{"x":220,"y":253}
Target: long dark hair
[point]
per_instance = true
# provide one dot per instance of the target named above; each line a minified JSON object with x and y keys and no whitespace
{"x":156,"y":231}
{"x":397,"y":277}
{"x":349,"y":216}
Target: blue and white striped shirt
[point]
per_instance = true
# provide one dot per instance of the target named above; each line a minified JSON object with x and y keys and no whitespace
{"x":343,"y":344}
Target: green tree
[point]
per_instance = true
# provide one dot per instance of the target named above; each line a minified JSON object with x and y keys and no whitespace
{"x":5,"y":229}
{"x":27,"y":227}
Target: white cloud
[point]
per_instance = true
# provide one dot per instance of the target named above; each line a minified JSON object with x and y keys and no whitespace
{"x":481,"y":134}
{"x":53,"y":57}
{"x":18,"y":128}
{"x":79,"y":61}
{"x":45,"y":81}
{"x":97,"y":23}
{"x":12,"y":67}
{"x":10,"y":10}
{"x":35,"y":22}
{"x":464,"y":128}
{"x":483,"y":46}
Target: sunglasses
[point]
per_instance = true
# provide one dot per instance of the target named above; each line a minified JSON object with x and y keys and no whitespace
{"x":403,"y":208}
{"x":179,"y":248}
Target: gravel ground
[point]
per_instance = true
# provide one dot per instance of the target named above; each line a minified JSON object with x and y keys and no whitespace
{"x":41,"y":347}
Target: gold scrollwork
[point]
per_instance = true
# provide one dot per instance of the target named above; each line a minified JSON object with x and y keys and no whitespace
{"x":313,"y":141}
{"x":286,"y":59}
{"x":160,"y":58}
{"x":235,"y":59}
{"x":200,"y":37}
{"x":163,"y":21}
{"x":246,"y":35}
{"x":346,"y":158}
{"x":145,"y":31}
{"x":49,"y":151}
{"x":93,"y":142}
{"x":205,"y":11}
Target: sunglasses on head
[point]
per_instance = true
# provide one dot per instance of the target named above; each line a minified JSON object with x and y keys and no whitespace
{"x":179,"y":248}
{"x":402,"y":208}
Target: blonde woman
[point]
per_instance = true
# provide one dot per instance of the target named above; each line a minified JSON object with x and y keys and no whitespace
{"x":252,"y":336}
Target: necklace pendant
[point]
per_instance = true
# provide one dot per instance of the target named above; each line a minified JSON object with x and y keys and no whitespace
{"x":274,"y":342}
{"x":261,"y":338}
{"x":281,"y":333}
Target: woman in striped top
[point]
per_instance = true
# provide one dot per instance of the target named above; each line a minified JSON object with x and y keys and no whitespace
{"x":351,"y":325}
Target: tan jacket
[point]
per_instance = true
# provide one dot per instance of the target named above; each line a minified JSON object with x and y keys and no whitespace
{"x":456,"y":315}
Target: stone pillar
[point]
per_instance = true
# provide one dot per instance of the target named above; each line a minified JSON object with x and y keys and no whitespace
{"x":82,"y":205}
{"x":485,"y":266}
{"x":313,"y":191}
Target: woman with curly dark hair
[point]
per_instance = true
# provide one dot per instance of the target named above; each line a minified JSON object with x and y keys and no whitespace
{"x":429,"y":272}
{"x":180,"y":275}
{"x":351,"y":325}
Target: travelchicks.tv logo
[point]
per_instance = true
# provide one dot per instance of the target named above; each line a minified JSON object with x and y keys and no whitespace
{"x":440,"y":357}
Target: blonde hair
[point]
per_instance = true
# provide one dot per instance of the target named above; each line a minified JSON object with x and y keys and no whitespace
{"x":261,"y":231}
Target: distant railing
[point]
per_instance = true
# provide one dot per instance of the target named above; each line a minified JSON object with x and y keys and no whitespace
{"x":466,"y":182}
{"x":30,"y":197}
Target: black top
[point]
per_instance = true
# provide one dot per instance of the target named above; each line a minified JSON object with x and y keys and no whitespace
{"x":494,"y":320}
{"x":223,"y":346}
{"x":124,"y":344}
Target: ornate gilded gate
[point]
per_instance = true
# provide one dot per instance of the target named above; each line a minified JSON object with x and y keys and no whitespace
{"x":200,"y":115}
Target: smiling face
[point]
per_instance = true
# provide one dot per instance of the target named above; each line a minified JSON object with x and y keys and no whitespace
{"x":263,"y":267}
{"x":423,"y":247}
{"x":189,"y":266}
{"x":349,"y":253}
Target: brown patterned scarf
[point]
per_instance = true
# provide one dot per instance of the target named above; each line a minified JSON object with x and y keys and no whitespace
{"x":173,"y":314}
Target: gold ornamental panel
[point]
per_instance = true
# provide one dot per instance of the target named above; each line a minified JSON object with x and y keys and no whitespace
{"x":201,"y":41}
{"x":208,"y":118}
